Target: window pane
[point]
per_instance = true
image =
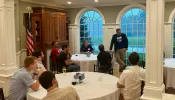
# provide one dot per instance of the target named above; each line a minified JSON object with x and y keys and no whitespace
{"x":91,"y":29}
{"x":133,"y":24}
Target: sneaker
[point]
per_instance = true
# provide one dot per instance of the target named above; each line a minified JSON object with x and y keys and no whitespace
{"x":124,"y":67}
{"x":120,"y":70}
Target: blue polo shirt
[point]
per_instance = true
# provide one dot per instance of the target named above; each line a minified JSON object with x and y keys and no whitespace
{"x":86,"y":49}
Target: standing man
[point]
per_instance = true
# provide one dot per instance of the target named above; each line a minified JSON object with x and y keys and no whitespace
{"x":120,"y":42}
{"x":55,"y":51}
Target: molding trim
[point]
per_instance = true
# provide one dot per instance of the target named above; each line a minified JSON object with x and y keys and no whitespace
{"x":82,"y":11}
{"x":72,"y":25}
{"x":167,"y":23}
{"x":22,"y":50}
{"x":107,"y":24}
{"x":172,"y":16}
{"x":153,"y":93}
{"x":41,"y":3}
{"x":125,"y":9}
{"x":103,"y":5}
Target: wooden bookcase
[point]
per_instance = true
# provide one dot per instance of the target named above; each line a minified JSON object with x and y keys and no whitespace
{"x":48,"y":25}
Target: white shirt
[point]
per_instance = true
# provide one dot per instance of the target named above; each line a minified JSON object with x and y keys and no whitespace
{"x":40,"y":65}
{"x":131,"y":79}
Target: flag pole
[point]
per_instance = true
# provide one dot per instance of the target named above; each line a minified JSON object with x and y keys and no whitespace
{"x":28,"y":8}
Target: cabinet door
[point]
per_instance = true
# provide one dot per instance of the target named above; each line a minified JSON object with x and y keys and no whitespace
{"x":57,"y":27}
{"x":49,"y":27}
{"x":60,"y":24}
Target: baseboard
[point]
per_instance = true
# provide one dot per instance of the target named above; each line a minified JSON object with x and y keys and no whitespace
{"x":153,"y":93}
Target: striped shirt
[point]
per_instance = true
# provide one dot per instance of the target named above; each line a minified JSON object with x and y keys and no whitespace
{"x":67,"y":93}
{"x":131,"y":79}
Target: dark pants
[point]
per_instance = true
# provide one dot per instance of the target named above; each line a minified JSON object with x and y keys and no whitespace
{"x":74,"y":68}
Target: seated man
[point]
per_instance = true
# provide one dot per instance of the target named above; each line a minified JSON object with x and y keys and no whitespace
{"x":86,"y":47}
{"x":55,"y":51}
{"x":49,"y":82}
{"x":104,"y":58}
{"x":64,"y":61}
{"x":131,"y":79}
{"x":40,"y":56}
{"x":22,"y":80}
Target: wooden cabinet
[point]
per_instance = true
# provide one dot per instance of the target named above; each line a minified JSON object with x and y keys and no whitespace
{"x":48,"y":25}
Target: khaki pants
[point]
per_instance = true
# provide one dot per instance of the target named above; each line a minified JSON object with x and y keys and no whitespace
{"x":120,"y":56}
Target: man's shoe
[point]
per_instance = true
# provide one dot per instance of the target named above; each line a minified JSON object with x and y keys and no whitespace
{"x":122,"y":68}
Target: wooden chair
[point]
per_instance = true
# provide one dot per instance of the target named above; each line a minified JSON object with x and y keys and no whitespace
{"x":143,"y":64}
{"x":59,"y":67}
{"x":103,"y":69}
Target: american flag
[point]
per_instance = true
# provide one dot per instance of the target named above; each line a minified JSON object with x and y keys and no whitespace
{"x":29,"y":36}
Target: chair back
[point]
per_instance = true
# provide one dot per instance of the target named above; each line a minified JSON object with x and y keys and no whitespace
{"x":1,"y":94}
{"x":142,"y":87}
{"x":103,"y":69}
{"x":143,"y":64}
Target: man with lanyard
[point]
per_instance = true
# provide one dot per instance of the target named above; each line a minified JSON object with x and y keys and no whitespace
{"x":120,"y":42}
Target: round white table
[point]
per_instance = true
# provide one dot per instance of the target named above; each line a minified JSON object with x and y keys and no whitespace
{"x":169,"y":72}
{"x":90,"y":89}
{"x":86,"y":63}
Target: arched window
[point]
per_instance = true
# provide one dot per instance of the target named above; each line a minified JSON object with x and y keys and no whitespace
{"x":91,"y":29}
{"x":171,"y":46}
{"x":174,"y":39}
{"x":133,"y":24}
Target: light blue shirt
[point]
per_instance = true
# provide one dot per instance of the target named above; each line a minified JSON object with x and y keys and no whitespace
{"x":19,"y":84}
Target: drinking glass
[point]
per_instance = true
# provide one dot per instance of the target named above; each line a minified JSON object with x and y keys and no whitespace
{"x":64,"y":70}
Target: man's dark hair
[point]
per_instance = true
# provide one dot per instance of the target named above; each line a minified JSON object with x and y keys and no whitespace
{"x":118,"y":29}
{"x":101,"y":47}
{"x":85,"y":41}
{"x":64,"y":46}
{"x":46,"y":78}
{"x":134,"y":58}
{"x":53,"y":43}
{"x":37,"y":53}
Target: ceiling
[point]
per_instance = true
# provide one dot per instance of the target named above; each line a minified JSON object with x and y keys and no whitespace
{"x":83,"y":3}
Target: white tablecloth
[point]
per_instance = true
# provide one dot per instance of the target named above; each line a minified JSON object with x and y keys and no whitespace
{"x":86,"y":63}
{"x":169,"y":72}
{"x":90,"y":89}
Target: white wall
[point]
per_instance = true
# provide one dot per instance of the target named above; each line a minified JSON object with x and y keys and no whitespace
{"x":109,"y":27}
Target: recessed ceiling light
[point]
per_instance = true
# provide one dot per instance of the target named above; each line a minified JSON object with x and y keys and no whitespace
{"x":96,"y":0}
{"x":69,"y":3}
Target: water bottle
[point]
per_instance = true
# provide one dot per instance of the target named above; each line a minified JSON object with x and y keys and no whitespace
{"x":88,"y":54}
